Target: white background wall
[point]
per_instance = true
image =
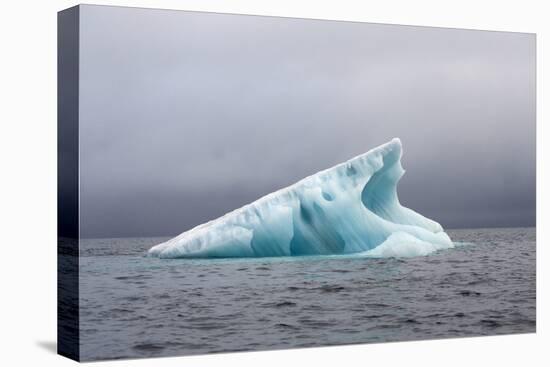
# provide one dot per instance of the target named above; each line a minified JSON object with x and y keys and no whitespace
{"x":28,"y":181}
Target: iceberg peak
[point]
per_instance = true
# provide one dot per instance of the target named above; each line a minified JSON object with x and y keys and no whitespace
{"x":349,"y":208}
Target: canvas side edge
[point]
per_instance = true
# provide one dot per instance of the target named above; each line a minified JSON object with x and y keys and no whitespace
{"x":68,"y":320}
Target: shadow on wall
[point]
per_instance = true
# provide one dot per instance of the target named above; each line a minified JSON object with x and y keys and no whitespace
{"x":48,"y":345}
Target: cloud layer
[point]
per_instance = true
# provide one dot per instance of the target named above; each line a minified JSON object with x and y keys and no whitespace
{"x":185,"y":116}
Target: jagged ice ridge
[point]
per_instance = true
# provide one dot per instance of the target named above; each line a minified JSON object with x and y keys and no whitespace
{"x":351,"y":208}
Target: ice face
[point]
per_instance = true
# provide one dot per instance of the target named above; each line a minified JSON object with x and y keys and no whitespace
{"x":351,"y":208}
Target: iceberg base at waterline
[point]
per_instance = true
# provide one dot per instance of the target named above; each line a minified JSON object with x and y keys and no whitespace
{"x":351,"y":208}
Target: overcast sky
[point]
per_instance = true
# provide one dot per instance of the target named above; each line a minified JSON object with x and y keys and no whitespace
{"x":185,"y":116}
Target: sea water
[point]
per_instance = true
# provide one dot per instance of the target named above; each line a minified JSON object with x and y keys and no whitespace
{"x":136,"y":306}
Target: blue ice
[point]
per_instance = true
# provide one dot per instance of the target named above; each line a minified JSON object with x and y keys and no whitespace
{"x":351,"y":208}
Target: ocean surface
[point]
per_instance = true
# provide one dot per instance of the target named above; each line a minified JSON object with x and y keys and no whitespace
{"x":133,"y":306}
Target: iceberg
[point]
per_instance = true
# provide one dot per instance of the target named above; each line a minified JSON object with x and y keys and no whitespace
{"x":351,"y":208}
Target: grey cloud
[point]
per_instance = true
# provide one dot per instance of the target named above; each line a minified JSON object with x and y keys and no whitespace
{"x":185,"y":116}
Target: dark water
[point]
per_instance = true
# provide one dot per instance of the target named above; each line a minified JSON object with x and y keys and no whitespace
{"x":133,"y":306}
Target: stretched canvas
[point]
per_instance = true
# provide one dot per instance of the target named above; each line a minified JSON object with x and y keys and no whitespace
{"x":230,"y":183}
